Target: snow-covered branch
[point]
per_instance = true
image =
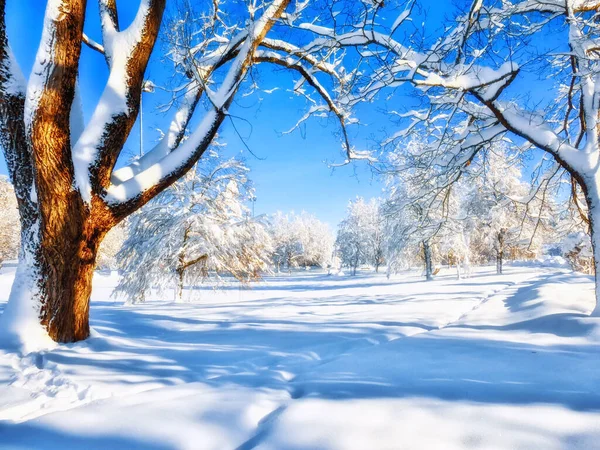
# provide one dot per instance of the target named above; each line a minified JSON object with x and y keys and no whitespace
{"x":92,"y":44}
{"x":127,"y":53}
{"x":292,"y":64}
{"x":137,"y":190}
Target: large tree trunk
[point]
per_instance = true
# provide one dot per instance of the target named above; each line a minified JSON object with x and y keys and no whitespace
{"x":65,"y":267}
{"x":428,"y":261}
{"x":57,"y":258}
{"x":51,"y":293}
{"x":67,"y":286}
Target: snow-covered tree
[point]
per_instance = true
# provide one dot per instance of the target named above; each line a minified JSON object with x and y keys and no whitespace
{"x":196,"y":229}
{"x":300,"y":240}
{"x":496,"y":212}
{"x":63,"y":169}
{"x":360,"y":237}
{"x":287,"y":246}
{"x":317,"y":241}
{"x":418,"y":206}
{"x":480,"y":213}
{"x":9,"y":222}
{"x":478,"y":85}
{"x":577,"y":249}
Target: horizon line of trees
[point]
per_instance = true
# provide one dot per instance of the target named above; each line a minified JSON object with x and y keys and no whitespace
{"x":201,"y":227}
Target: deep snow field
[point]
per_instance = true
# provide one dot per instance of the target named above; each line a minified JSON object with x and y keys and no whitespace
{"x":311,"y":361}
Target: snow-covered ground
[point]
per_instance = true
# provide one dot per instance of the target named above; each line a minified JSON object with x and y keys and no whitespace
{"x":316,"y":362}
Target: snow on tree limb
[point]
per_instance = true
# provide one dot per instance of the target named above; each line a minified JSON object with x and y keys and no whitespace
{"x":301,"y":55}
{"x":127,"y":53}
{"x":200,"y":72}
{"x":531,"y":127}
{"x":92,"y":44}
{"x":289,"y":63}
{"x":167,"y":143}
{"x":144,"y":185}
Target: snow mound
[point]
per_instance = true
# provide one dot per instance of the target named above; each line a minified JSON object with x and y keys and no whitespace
{"x":545,"y":261}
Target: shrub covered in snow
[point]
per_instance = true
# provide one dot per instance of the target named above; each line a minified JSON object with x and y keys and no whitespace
{"x":300,"y":240}
{"x":577,"y":249}
{"x":199,"y":228}
{"x":360,"y":238}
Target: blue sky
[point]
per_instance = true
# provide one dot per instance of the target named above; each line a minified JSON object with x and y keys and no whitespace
{"x":289,"y":171}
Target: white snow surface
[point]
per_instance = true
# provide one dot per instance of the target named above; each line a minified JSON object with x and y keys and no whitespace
{"x":310,"y":361}
{"x":20,"y":327}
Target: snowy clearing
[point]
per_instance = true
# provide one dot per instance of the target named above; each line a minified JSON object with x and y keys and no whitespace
{"x":311,"y":361}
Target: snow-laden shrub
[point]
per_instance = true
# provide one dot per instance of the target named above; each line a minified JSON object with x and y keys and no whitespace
{"x":200,"y":228}
{"x":300,"y":240}
{"x":577,"y":249}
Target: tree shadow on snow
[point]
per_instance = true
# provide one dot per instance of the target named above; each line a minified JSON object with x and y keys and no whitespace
{"x":331,"y":357}
{"x":35,"y":435}
{"x":463,"y":369}
{"x":346,"y":359}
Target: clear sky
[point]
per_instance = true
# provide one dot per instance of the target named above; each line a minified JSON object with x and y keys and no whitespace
{"x":289,"y":171}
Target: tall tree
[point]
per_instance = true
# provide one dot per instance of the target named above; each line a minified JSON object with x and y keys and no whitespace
{"x":68,"y":191}
{"x":419,"y":204}
{"x":360,"y":235}
{"x":198,"y":228}
{"x":497,"y":211}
